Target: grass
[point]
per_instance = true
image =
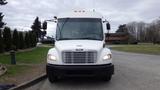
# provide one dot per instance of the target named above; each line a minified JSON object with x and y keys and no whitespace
{"x":25,"y":61}
{"x":37,"y":55}
{"x":14,"y":71}
{"x":140,"y":48}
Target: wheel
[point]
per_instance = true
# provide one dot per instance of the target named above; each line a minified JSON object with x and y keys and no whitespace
{"x":51,"y":77}
{"x":107,"y":78}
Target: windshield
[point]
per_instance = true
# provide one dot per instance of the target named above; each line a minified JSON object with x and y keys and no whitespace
{"x":79,"y":28}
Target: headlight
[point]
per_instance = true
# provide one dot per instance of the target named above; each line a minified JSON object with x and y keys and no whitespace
{"x":51,"y":57}
{"x":108,"y":56}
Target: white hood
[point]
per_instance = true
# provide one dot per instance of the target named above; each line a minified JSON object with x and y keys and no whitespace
{"x":79,"y":44}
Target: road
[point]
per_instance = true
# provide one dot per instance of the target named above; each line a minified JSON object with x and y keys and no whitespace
{"x":132,"y":72}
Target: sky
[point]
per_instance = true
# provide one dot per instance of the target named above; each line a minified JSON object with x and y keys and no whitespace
{"x":20,"y":14}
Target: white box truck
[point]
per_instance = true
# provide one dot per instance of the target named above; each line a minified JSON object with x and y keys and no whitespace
{"x":80,"y":47}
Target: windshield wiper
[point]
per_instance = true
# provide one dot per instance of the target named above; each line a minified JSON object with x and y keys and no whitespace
{"x":65,"y":39}
{"x":89,"y":38}
{"x":78,"y":38}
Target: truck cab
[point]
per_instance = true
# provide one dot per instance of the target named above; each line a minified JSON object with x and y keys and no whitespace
{"x":80,"y":47}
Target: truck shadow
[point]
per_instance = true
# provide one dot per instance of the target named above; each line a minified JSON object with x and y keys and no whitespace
{"x":81,"y":81}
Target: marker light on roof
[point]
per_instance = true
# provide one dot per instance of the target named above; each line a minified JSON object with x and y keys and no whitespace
{"x":79,"y":11}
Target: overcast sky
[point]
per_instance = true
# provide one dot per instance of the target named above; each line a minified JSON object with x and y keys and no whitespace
{"x":21,"y":13}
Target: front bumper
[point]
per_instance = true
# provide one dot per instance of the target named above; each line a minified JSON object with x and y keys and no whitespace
{"x":79,"y":70}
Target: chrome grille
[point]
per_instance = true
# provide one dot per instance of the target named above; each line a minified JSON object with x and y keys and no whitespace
{"x":79,"y":57}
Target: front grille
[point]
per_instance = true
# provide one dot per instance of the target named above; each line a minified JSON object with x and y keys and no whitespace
{"x":79,"y":57}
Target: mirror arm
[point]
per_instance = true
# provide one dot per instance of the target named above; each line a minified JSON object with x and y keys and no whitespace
{"x":51,"y":20}
{"x":105,"y":21}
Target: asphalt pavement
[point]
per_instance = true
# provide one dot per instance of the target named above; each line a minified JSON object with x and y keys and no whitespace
{"x":132,"y":72}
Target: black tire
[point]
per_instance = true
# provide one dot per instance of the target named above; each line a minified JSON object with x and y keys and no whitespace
{"x":107,"y":78}
{"x":52,"y":78}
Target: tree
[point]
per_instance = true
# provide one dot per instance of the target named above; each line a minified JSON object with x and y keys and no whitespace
{"x":30,"y":38}
{"x":3,"y":2}
{"x":36,"y":27}
{"x":15,"y":39}
{"x":1,"y":22}
{"x":33,"y":39}
{"x":21,"y":40}
{"x":132,"y":29}
{"x":136,"y":31}
{"x":7,"y":38}
{"x":123,"y":29}
{"x":145,"y":32}
{"x":44,"y":27}
{"x":1,"y":42}
{"x":27,"y":40}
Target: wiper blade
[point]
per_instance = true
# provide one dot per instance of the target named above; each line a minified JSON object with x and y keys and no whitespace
{"x":78,"y":38}
{"x":65,"y":39}
{"x":90,"y":38}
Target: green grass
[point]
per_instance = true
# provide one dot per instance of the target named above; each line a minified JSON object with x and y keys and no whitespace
{"x":33,"y":57}
{"x":140,"y":48}
{"x":4,"y":59}
{"x":12,"y":71}
{"x":37,"y":55}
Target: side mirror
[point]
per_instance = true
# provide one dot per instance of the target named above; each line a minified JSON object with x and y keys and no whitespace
{"x":55,"y":17}
{"x":52,"y":20}
{"x":108,"y":26}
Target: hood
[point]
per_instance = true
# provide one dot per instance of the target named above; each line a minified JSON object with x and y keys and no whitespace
{"x":79,"y":44}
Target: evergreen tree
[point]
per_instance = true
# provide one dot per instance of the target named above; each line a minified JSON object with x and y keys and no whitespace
{"x":15,"y":39}
{"x":34,"y":39}
{"x":36,"y":27}
{"x":21,"y":40}
{"x":2,"y":2}
{"x":1,"y":42}
{"x":44,"y":27}
{"x":30,"y":38}
{"x":27,"y":40}
{"x":1,"y":22}
{"x":122,"y":29}
{"x":7,"y":38}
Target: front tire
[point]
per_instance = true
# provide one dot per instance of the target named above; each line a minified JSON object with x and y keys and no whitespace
{"x":107,"y":78}
{"x":51,"y":77}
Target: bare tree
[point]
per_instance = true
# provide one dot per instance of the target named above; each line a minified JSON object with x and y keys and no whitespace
{"x":144,"y":32}
{"x":132,"y":28}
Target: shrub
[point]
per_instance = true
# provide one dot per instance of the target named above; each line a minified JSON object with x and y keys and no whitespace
{"x":27,"y":40}
{"x":1,"y":42}
{"x":7,"y":38}
{"x":34,"y":39}
{"x":21,"y":40}
{"x":15,"y":39}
